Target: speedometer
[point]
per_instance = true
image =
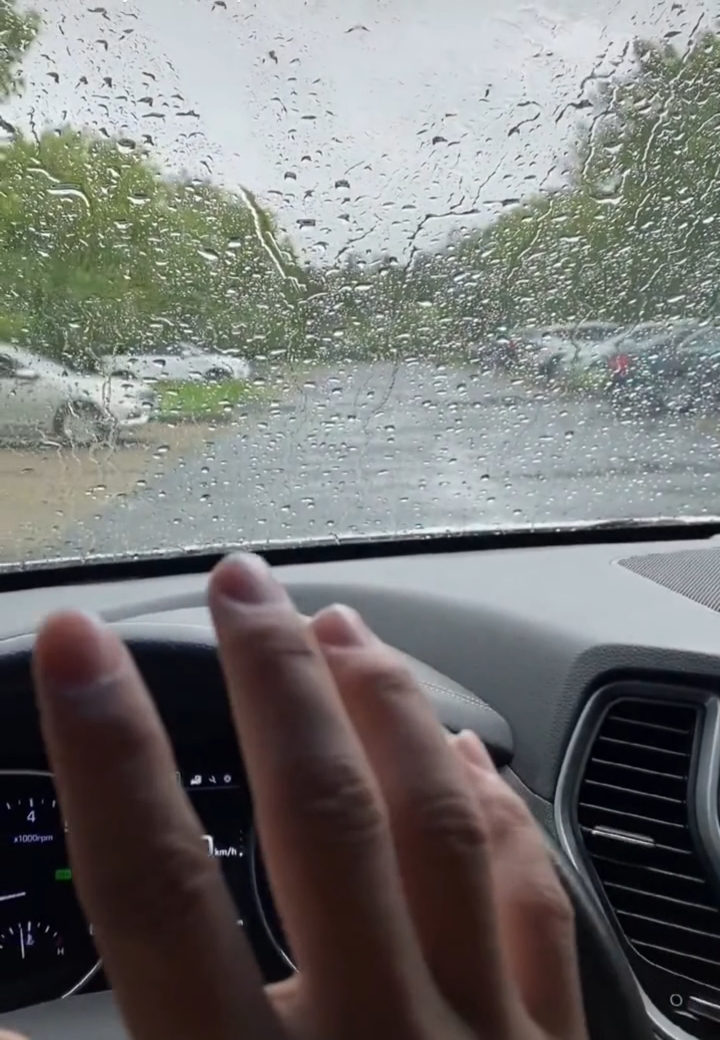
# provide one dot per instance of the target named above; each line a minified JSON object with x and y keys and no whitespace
{"x":46,"y":947}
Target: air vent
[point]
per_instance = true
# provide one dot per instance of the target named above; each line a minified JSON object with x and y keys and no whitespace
{"x":634,"y":822}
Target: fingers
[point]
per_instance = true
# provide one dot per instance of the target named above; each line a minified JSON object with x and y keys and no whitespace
{"x":163,"y":919}
{"x":439,"y":829}
{"x":536,"y":918}
{"x":322,"y":823}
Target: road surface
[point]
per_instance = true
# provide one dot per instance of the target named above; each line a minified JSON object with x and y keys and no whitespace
{"x":381,"y":448}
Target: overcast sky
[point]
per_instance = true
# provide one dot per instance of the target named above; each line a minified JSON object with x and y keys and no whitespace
{"x":352,"y":119}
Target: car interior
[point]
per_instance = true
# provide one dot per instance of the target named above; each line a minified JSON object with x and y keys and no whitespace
{"x":420,"y":301}
{"x":589,"y":666}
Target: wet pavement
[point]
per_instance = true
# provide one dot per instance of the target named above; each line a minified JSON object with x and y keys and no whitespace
{"x":385,"y":448}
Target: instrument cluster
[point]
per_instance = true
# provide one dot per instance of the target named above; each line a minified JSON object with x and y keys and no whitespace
{"x":46,"y":944}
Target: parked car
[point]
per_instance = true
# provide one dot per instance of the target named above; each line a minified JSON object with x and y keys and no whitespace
{"x":182,"y":363}
{"x":547,"y":350}
{"x":671,"y":368}
{"x":40,"y":398}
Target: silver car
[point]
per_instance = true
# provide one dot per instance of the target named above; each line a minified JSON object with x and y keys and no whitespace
{"x":41,"y":399}
{"x":181,"y":363}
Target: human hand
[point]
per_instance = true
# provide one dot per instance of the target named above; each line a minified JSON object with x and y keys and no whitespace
{"x":413,"y":884}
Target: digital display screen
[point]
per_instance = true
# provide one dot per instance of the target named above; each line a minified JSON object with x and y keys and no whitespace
{"x":221,"y":800}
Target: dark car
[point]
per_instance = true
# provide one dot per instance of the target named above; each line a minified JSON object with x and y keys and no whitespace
{"x":676,"y":369}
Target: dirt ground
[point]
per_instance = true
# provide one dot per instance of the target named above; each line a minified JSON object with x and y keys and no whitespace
{"x":46,"y":489}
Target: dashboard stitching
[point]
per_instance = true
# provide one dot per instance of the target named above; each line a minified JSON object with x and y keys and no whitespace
{"x":465,"y":698}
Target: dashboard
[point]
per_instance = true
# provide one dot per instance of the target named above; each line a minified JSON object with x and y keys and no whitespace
{"x":591,"y":671}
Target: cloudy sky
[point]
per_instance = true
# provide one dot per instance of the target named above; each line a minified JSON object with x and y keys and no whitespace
{"x":365,"y":124}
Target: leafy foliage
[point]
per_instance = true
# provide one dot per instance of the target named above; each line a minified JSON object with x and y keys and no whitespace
{"x":100,"y":252}
{"x":634,"y":234}
{"x":17,"y":33}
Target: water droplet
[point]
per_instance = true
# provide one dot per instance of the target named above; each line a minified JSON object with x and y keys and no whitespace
{"x":68,"y":191}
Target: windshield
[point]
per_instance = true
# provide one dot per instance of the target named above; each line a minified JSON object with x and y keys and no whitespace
{"x":354,"y":270}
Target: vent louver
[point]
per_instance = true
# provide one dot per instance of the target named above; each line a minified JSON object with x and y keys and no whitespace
{"x":634,"y":821}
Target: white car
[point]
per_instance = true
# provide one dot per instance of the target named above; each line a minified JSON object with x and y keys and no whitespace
{"x":181,"y":363}
{"x":41,"y":399}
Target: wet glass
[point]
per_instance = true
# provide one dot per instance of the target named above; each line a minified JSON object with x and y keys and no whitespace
{"x":273,"y":272}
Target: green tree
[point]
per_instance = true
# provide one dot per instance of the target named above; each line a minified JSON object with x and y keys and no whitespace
{"x":100,"y":251}
{"x":634,"y":234}
{"x":18,"y":30}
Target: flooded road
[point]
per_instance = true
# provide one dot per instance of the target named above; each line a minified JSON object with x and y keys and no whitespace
{"x":382,"y":449}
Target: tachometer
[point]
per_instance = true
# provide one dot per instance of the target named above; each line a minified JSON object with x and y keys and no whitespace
{"x":30,"y":818}
{"x":46,"y":947}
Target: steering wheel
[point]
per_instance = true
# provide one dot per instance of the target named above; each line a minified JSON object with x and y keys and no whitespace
{"x":613,"y":1004}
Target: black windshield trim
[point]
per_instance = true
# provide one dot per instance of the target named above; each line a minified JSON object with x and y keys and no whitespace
{"x":61,"y":572}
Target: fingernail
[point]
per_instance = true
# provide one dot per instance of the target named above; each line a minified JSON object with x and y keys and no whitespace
{"x":248,"y":580}
{"x":340,"y":626}
{"x":473,"y":750}
{"x":74,"y":651}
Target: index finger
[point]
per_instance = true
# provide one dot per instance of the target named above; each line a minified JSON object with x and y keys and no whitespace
{"x":164,"y":921}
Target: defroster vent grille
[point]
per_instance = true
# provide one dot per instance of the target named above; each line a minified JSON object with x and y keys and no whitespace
{"x":634,"y":821}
